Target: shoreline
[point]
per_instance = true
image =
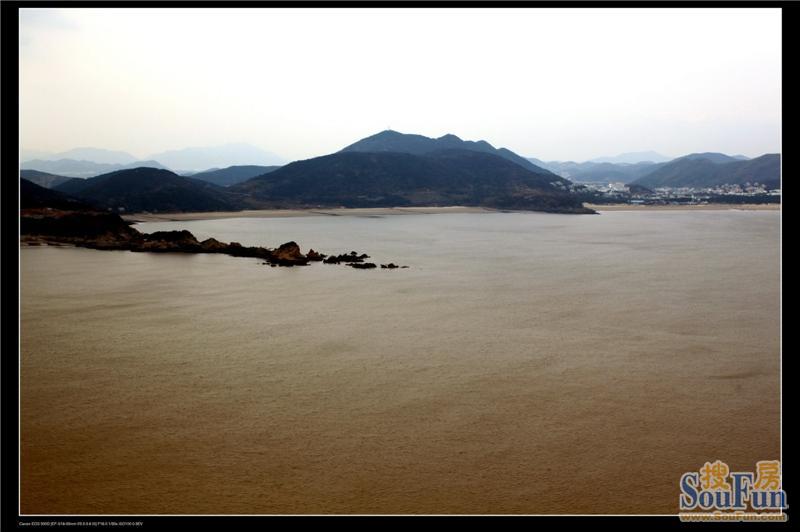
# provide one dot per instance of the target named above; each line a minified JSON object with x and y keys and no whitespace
{"x":296,"y":213}
{"x":392,"y":211}
{"x":706,"y":207}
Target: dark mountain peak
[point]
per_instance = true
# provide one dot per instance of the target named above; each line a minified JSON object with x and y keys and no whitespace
{"x":386,"y":134}
{"x":394,"y":141}
{"x":141,"y":171}
{"x":449,"y":176}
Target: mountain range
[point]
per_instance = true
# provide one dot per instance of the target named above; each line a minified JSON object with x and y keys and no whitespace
{"x":697,"y":170}
{"x":385,"y":170}
{"x":474,"y":173}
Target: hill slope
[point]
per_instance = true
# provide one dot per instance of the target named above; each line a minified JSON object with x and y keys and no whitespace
{"x":80,"y":168}
{"x":388,"y":179}
{"x":150,"y":189}
{"x":714,"y":157}
{"x":698,"y":172}
{"x":43,"y":179}
{"x":393,"y":141}
{"x":32,"y":196}
{"x":225,"y":177}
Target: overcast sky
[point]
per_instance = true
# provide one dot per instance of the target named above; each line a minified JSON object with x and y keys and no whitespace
{"x":557,"y":84}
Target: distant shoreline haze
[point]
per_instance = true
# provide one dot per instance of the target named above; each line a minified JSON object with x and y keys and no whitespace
{"x":85,"y":160}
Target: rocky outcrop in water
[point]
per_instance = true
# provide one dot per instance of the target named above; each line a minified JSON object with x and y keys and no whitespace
{"x":288,"y":254}
{"x":362,"y":265}
{"x":105,"y":230}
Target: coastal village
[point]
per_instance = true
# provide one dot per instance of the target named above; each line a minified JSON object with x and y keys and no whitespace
{"x":749,"y":193}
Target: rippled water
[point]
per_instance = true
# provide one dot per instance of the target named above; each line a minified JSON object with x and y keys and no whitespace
{"x":524,"y":363}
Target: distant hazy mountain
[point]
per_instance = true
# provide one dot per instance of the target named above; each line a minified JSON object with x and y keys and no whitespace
{"x":633,"y":158}
{"x":28,"y":155}
{"x":95,"y":155}
{"x":43,"y":179}
{"x":538,"y":163}
{"x":150,"y":189}
{"x":589,"y":172}
{"x":202,"y":158}
{"x":233,"y":174}
{"x":384,"y":179}
{"x":90,"y":162}
{"x":712,"y":169}
{"x":393,"y":141}
{"x":82,"y":169}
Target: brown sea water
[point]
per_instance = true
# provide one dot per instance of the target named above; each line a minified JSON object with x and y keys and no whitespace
{"x":524,"y":363}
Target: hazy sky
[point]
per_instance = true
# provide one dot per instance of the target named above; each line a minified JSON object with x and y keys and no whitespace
{"x":566,"y":84}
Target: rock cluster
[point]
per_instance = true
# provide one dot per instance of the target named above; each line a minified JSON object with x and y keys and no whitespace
{"x":315,"y":256}
{"x":349,"y":258}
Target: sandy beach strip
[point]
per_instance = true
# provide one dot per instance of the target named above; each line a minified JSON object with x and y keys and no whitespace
{"x":290,"y":213}
{"x":707,"y":207}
